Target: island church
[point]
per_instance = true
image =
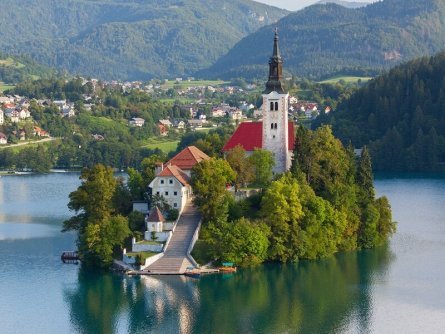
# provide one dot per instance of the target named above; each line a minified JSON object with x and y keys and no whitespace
{"x":274,"y":133}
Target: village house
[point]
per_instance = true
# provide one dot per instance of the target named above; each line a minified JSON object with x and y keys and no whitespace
{"x":136,"y":121}
{"x":196,"y":123}
{"x":6,"y":99}
{"x":68,"y":110}
{"x":218,"y":112}
{"x":172,"y":180}
{"x":163,"y":130}
{"x":38,"y":132}
{"x":13,"y":115}
{"x":166,"y":122}
{"x":235,"y":114}
{"x":3,"y":139}
{"x":178,"y":124}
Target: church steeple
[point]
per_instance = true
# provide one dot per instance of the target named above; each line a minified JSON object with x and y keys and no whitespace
{"x":275,"y":82}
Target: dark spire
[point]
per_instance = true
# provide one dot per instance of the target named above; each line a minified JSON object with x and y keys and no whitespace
{"x":275,"y":82}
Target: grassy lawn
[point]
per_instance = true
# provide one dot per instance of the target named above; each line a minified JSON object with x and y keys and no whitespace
{"x":149,"y":242}
{"x":165,"y":146}
{"x":185,"y":83}
{"x":347,"y":79}
{"x":4,"y":87}
{"x":144,"y":254}
{"x":182,"y":100}
{"x":304,"y":94}
{"x":9,"y":62}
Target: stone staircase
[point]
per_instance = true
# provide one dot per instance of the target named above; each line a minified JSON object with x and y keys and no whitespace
{"x":175,"y":259}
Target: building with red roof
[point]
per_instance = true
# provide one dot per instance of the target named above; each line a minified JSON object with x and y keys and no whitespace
{"x":274,"y":133}
{"x":172,"y":180}
{"x":250,"y":136}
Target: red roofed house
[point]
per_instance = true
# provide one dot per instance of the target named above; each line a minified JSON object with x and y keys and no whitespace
{"x":172,"y":179}
{"x":275,"y":133}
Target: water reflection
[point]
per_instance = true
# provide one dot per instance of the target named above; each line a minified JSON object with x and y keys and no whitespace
{"x":308,"y":297}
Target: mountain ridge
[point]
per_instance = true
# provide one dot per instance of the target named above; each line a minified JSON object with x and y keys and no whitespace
{"x":326,"y":40}
{"x":116,"y":39}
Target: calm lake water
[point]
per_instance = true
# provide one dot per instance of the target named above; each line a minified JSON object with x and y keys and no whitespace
{"x":394,"y":289}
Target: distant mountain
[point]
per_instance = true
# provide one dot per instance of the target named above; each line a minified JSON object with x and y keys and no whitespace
{"x":324,"y":40}
{"x":400,"y":116}
{"x":347,"y":4}
{"x":129,"y":39}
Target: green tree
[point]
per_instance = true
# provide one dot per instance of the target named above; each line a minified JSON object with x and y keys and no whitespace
{"x":243,"y":242}
{"x":365,"y":178}
{"x":281,"y":208}
{"x":99,"y":229}
{"x":209,"y":181}
{"x":263,"y":163}
{"x":240,"y":163}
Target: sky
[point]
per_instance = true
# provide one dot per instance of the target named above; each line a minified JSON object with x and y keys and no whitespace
{"x":295,"y":4}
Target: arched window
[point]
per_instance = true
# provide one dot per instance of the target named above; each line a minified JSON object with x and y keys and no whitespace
{"x":276,"y":125}
{"x":271,"y":125}
{"x":271,"y":106}
{"x":276,"y":105}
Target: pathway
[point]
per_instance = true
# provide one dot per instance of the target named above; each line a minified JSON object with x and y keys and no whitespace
{"x":175,"y":259}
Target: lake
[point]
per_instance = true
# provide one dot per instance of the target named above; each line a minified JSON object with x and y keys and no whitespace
{"x":397,"y":288}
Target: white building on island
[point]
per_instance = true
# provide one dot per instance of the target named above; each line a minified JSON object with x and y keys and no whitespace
{"x":172,"y":180}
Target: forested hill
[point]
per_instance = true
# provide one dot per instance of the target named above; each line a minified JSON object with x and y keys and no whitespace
{"x":16,"y":69}
{"x":400,"y":115}
{"x":129,"y":39}
{"x":324,"y":40}
{"x":347,"y":4}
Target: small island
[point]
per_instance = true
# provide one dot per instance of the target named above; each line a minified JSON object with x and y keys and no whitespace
{"x":277,"y":193}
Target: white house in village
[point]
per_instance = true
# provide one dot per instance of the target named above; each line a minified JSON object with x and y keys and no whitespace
{"x":3,"y":139}
{"x":136,"y":121}
{"x":172,"y":179}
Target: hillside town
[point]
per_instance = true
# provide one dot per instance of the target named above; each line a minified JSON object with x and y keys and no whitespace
{"x":197,"y":103}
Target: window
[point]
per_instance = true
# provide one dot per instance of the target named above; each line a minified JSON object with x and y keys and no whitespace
{"x":175,"y":205}
{"x":271,"y":126}
{"x":157,"y":193}
{"x":166,"y":193}
{"x":162,"y":181}
{"x":276,"y":125}
{"x":273,"y":136}
{"x":170,"y":181}
{"x":271,"y":106}
{"x":276,"y":105}
{"x":175,"y":193}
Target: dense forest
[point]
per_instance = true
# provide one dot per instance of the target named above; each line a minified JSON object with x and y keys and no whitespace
{"x":116,"y":39}
{"x":324,"y":205}
{"x":325,"y":40}
{"x":400,"y":115}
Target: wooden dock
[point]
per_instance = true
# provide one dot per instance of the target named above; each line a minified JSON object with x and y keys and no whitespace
{"x":158,"y":273}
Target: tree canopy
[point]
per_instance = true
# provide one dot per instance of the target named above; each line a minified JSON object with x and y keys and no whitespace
{"x":99,"y":228}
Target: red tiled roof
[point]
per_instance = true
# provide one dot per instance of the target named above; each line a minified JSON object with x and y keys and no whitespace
{"x":188,"y":158}
{"x":250,"y":136}
{"x":176,"y":172}
{"x":155,"y":216}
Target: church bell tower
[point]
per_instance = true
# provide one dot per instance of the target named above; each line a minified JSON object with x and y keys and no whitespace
{"x":275,"y":110}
